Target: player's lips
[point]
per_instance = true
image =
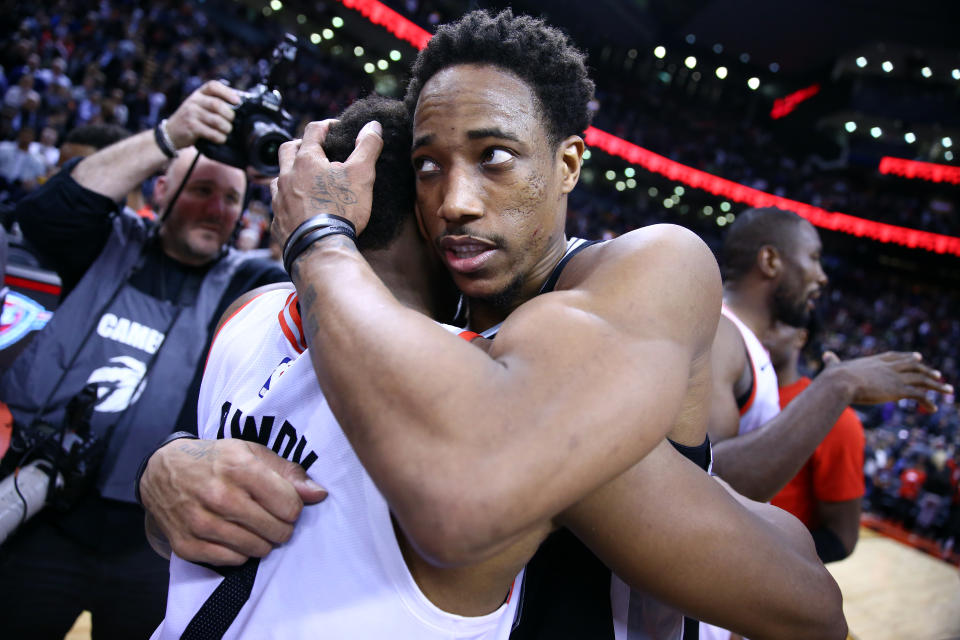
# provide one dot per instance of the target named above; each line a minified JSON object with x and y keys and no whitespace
{"x":465,"y":254}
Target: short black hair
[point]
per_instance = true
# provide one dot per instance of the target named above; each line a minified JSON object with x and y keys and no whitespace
{"x":752,"y":230}
{"x":540,"y":55}
{"x":393,"y":190}
{"x":98,"y":136}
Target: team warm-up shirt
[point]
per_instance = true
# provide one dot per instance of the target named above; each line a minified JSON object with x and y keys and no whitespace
{"x":834,"y":473}
{"x":342,"y":574}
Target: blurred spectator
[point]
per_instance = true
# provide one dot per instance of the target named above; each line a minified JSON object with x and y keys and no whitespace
{"x":20,"y":169}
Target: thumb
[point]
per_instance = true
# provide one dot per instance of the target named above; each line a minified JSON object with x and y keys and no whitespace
{"x":308,"y":490}
{"x":368,"y":144}
{"x":830,"y":359}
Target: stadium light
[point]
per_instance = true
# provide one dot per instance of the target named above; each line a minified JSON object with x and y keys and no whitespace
{"x":358,"y":51}
{"x":382,"y":64}
{"x":586,"y":154}
{"x":276,"y":5}
{"x":721,"y":221}
{"x":610,"y":174}
{"x":887,"y":66}
{"x":744,"y":58}
{"x":315,"y":38}
{"x":395,"y":55}
{"x":947,"y":142}
{"x":754,"y":83}
{"x":774,"y":67}
{"x":652,"y":192}
{"x":337,"y":22}
{"x":861,"y":62}
{"x":668,"y":203}
{"x":926,"y":72}
{"x":956,"y":74}
{"x":660,"y":52}
{"x":301,"y":19}
{"x":910,"y":137}
{"x":948,"y":155}
{"x":721,"y":72}
{"x":718,"y":48}
{"x":631,"y":183}
{"x":724,"y":206}
{"x":876,"y":132}
{"x":850,"y":126}
{"x":629,"y":172}
{"x":368,"y":67}
{"x":620,"y":185}
{"x":327,"y":34}
{"x":691,"y":38}
{"x":690,"y":62}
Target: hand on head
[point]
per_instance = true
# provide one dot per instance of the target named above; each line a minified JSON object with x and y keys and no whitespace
{"x":309,"y":184}
{"x":206,"y":113}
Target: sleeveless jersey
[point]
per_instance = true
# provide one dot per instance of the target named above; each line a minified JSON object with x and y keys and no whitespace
{"x":764,"y":400}
{"x":569,"y":593}
{"x":342,"y":574}
{"x":762,"y":404}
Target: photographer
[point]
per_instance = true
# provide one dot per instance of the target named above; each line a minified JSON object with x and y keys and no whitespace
{"x":140,"y":306}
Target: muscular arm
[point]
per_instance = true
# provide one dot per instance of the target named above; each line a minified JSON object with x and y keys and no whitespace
{"x":708,"y":553}
{"x":760,"y":463}
{"x":471,"y":449}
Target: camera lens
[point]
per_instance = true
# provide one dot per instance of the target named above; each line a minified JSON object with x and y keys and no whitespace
{"x":263,"y":145}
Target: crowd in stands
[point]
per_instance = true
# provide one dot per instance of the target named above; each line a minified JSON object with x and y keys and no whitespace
{"x":66,"y":64}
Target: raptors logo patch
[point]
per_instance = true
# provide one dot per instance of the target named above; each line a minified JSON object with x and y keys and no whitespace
{"x":119,"y":384}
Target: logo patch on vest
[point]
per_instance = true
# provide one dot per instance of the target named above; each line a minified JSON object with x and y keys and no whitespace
{"x":130,"y":333}
{"x":285,"y":364}
{"x":119,"y":384}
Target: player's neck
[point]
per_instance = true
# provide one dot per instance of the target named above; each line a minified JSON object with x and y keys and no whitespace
{"x":753,"y":310}
{"x":407,"y":269}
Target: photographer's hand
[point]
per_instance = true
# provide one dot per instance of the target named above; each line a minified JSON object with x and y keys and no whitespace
{"x":207,"y":113}
{"x":223,"y":501}
{"x":309,"y":184}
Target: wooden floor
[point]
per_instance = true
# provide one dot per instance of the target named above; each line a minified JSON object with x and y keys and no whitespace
{"x":890,"y":592}
{"x":894,"y":592}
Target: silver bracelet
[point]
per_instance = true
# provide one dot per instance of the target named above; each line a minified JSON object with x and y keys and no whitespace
{"x":163,"y":140}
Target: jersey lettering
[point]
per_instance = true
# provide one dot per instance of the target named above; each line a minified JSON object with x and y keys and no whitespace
{"x":248,"y":428}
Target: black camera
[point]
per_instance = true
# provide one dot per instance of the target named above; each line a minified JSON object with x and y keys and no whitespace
{"x":51,"y":465}
{"x":261,"y":124}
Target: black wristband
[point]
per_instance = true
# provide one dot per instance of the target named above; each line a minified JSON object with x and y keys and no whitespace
{"x":322,"y":220}
{"x":303,"y":242}
{"x":176,"y":435}
{"x":163,"y":139}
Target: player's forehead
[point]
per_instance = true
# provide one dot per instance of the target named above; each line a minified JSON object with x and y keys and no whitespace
{"x":468,"y":99}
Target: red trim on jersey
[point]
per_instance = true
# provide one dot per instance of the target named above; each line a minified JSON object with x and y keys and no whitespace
{"x":297,"y":340}
{"x":753,"y":384}
{"x":514,"y":583}
{"x":224,"y":323}
{"x":469,"y":336}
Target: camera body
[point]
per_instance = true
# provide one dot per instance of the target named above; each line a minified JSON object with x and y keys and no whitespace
{"x":261,"y":123}
{"x":260,"y":126}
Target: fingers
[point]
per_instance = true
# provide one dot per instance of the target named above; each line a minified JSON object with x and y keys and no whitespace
{"x":313,"y":136}
{"x":368,"y":146}
{"x":220,"y":90}
{"x":286,"y":155}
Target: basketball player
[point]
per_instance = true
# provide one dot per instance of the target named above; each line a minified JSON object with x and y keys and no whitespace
{"x":659,"y":519}
{"x":772,"y":273}
{"x":485,"y":450}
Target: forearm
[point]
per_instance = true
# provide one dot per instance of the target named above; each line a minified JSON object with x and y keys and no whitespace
{"x":117,"y":169}
{"x":697,"y":549}
{"x":760,"y":463}
{"x":450,"y":437}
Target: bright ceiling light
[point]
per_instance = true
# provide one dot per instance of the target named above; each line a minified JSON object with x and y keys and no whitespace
{"x":721,"y":72}
{"x":754,"y":83}
{"x":660,"y":52}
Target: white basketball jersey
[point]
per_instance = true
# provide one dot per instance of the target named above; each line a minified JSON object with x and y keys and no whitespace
{"x":342,"y":574}
{"x":764,"y":401}
{"x":762,"y":406}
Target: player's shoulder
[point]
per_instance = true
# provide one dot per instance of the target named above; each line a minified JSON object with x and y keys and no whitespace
{"x":260,"y":295}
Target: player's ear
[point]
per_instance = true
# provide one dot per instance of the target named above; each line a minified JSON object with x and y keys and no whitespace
{"x":769,"y":261}
{"x":571,"y":159}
